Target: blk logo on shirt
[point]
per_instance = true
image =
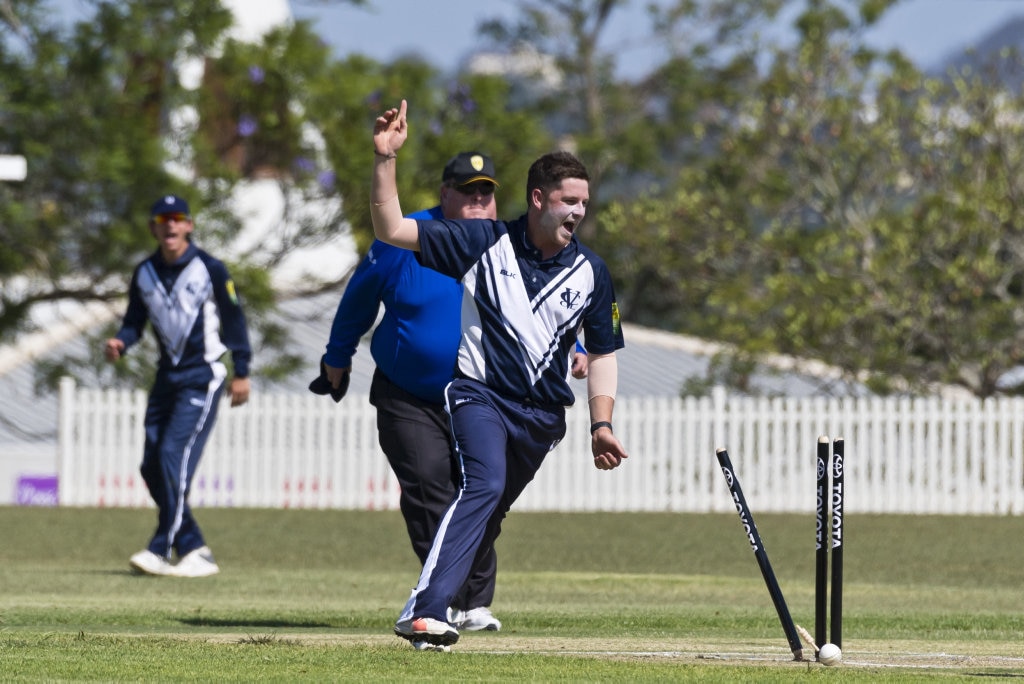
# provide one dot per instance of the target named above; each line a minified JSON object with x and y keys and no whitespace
{"x":570,"y":298}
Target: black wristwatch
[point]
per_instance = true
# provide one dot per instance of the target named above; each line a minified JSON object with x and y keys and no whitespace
{"x":600,"y":424}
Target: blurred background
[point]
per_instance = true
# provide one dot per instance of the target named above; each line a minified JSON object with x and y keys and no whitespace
{"x":794,"y":197}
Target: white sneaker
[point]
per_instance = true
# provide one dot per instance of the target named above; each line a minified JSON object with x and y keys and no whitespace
{"x":474,"y":619}
{"x":427,"y":646}
{"x":148,"y":563}
{"x":197,"y":563}
{"x":426,"y":629}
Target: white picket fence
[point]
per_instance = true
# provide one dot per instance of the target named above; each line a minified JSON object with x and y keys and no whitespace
{"x":303,"y":451}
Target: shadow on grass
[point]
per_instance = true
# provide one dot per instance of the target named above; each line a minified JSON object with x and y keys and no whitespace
{"x":994,"y":674}
{"x":217,"y":622}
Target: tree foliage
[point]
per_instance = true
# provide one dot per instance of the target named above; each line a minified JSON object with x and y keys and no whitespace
{"x":806,"y":196}
{"x":85,"y":109}
{"x":108,"y":122}
{"x":850,"y":210}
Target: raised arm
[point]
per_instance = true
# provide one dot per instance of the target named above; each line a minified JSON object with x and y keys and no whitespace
{"x":389,"y":133}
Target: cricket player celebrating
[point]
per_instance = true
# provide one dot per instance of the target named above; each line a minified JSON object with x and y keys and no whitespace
{"x":529,"y":288}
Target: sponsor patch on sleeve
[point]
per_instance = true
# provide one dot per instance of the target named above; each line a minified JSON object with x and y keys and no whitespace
{"x":616,"y":323}
{"x":230,"y":285}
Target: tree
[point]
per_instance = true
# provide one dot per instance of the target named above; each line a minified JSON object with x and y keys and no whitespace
{"x":890,"y":226}
{"x":108,"y":125}
{"x":850,"y":210}
{"x":815,"y":199}
{"x":632,"y":135}
{"x":86,"y":111}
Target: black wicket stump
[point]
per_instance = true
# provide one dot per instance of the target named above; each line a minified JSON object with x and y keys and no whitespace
{"x":838,"y":497}
{"x":830,"y":491}
{"x":760,"y":553}
{"x":821,"y":544}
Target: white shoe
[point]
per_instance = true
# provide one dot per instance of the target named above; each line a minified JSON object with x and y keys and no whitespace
{"x":435,"y":632}
{"x":197,"y":563}
{"x":148,"y":563}
{"x":474,"y":619}
{"x":427,"y":646}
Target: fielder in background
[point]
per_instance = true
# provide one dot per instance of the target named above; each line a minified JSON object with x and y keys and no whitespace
{"x":529,"y":287}
{"x":190,"y":300}
{"x":414,"y":349}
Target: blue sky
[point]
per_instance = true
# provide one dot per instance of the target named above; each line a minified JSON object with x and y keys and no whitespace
{"x":930,"y":30}
{"x":444,"y":31}
{"x":926,"y":30}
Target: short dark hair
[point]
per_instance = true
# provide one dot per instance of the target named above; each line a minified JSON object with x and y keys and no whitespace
{"x":552,"y":169}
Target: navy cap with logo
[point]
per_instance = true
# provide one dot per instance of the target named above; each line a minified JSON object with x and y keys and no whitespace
{"x":170,"y":204}
{"x":468,"y":167}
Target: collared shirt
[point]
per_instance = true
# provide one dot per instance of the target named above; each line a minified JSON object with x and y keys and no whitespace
{"x":192,"y":306}
{"x":521,"y":314}
{"x":416,"y":341}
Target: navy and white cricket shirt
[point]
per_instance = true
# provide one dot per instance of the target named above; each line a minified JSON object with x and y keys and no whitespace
{"x":194,"y":310}
{"x":521,"y":314}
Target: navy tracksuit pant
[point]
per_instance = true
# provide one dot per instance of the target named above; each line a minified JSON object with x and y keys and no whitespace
{"x":500,"y":444}
{"x":415,"y":435}
{"x":179,"y":418}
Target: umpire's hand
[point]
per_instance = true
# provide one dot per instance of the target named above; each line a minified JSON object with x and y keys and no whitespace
{"x":333,"y":381}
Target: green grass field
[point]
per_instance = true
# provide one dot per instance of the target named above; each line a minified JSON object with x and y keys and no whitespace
{"x":312,"y":596}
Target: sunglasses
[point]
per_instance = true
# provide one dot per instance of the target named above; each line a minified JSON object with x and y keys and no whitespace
{"x":483,"y":188}
{"x":167,"y":218}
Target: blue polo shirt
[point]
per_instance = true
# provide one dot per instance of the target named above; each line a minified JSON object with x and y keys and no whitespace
{"x":415,"y":344}
{"x":521,"y":314}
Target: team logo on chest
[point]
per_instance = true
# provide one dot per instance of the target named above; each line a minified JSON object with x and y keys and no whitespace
{"x":570,"y":298}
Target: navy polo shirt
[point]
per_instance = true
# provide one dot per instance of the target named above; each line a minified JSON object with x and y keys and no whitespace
{"x":521,"y":314}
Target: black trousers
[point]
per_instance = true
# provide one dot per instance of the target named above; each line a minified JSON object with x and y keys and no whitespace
{"x":416,"y":438}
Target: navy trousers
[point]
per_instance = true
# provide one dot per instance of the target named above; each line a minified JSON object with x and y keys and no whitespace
{"x":415,"y":435}
{"x":500,"y":444}
{"x":179,"y":418}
